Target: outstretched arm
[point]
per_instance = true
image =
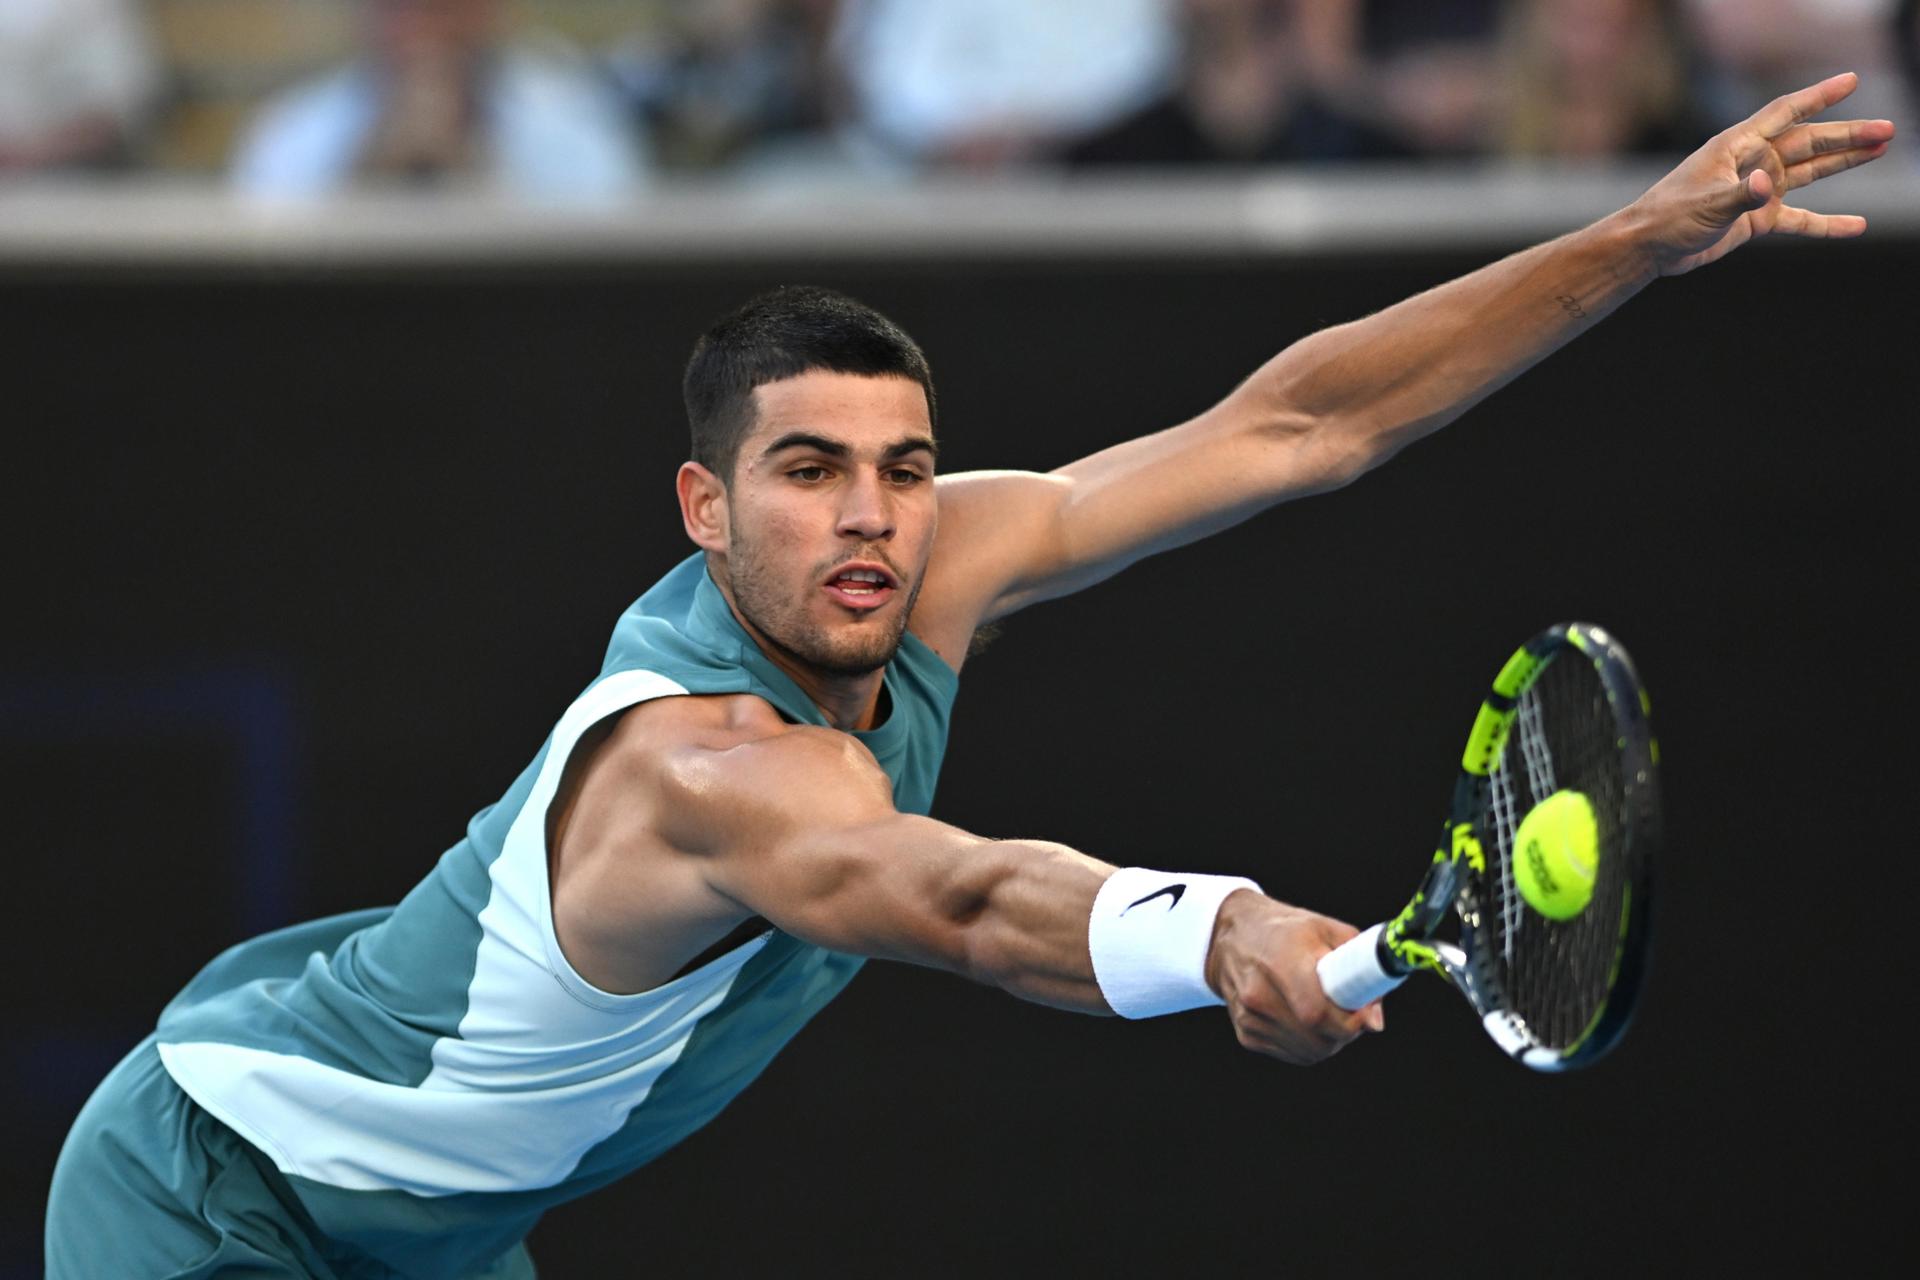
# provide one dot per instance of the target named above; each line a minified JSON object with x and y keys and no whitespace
{"x":1344,"y":400}
{"x":798,"y":826}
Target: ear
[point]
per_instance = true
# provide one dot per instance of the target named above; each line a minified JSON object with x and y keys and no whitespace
{"x":703,"y":507}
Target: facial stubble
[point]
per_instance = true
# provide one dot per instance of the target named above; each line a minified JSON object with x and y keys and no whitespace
{"x":862,"y":648}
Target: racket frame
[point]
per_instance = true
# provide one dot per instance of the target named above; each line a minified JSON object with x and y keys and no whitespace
{"x":1456,"y":878}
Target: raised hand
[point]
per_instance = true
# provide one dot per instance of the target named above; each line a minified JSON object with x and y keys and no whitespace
{"x":1730,"y":190}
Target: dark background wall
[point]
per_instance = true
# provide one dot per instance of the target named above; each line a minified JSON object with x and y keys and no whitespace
{"x":300,"y":567}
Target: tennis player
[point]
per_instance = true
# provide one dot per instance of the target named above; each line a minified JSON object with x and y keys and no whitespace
{"x":732,"y":815}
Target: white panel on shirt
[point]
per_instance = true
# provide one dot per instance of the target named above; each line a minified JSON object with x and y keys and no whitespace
{"x":545,"y":1067}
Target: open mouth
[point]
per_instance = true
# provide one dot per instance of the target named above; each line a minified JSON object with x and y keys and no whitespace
{"x":861,"y":585}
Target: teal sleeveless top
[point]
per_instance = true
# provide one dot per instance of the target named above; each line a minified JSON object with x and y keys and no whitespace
{"x":431,"y":1077}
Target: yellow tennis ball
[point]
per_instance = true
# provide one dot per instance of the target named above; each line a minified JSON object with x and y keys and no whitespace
{"x":1555,"y":851}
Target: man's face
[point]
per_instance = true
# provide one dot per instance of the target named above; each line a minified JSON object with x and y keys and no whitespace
{"x":831,"y":517}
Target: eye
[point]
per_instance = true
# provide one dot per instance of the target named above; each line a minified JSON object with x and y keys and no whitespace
{"x":904,"y":477}
{"x":808,"y":474}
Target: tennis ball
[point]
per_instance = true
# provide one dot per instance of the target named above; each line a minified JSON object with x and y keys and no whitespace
{"x":1555,"y":851}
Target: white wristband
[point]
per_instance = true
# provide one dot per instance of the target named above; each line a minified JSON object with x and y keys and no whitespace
{"x":1149,"y":935}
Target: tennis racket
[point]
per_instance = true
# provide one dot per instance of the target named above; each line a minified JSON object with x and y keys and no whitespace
{"x":1567,"y":713}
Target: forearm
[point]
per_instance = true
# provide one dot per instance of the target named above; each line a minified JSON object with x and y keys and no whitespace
{"x":1055,"y":926}
{"x":1038,"y":919}
{"x":1368,"y":388}
{"x":1010,"y":913}
{"x":1020,"y":910}
{"x":1016,"y":914}
{"x":1060,"y":928}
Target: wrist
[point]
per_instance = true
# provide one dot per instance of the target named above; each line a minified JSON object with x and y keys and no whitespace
{"x":1626,"y":241}
{"x":1150,"y":937}
{"x":1228,"y":925}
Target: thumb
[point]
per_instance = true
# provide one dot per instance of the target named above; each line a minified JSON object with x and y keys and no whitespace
{"x":1748,"y":194}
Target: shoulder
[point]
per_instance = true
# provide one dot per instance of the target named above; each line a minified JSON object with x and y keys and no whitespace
{"x":671,"y":728}
{"x":724,"y":766}
{"x":993,"y":526}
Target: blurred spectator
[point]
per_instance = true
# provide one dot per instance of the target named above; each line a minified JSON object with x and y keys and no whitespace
{"x":1906,"y":45}
{"x":1588,"y":79}
{"x":717,"y":79}
{"x":1241,"y":98}
{"x":1751,"y":51}
{"x":988,"y":83}
{"x":77,"y":79}
{"x":438,"y":94}
{"x":1423,"y":72}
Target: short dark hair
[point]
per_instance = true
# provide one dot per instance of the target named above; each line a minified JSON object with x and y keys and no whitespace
{"x":783,"y":333}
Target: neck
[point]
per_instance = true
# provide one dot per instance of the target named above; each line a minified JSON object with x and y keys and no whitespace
{"x":848,"y":702}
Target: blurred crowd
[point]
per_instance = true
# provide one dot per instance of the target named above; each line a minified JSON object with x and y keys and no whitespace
{"x":562,"y":99}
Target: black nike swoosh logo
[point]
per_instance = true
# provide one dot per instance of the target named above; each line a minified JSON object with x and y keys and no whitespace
{"x":1173,"y":891}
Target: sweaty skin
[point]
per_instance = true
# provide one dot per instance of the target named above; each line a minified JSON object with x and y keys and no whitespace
{"x":685,"y":818}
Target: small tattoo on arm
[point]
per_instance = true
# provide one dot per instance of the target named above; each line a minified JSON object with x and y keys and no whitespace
{"x":1571,"y":305}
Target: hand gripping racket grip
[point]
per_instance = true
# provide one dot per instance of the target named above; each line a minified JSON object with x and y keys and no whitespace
{"x":1351,"y":974}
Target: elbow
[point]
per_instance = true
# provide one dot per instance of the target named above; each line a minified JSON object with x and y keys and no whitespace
{"x":1313,"y":425}
{"x":1310,"y":454}
{"x":1338,"y":458}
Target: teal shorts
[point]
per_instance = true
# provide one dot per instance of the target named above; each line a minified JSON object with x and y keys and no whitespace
{"x":150,"y":1185}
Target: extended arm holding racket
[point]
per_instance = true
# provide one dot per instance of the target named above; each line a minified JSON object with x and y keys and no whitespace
{"x":799,"y":827}
{"x":696,"y":815}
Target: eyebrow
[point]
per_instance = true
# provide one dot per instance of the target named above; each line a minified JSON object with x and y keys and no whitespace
{"x":835,"y":449}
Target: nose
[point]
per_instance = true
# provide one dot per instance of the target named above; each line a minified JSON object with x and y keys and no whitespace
{"x":866,"y":509}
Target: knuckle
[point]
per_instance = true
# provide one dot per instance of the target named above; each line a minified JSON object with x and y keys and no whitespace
{"x":1259,"y":1003}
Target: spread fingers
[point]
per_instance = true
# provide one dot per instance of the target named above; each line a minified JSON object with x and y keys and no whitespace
{"x":1799,"y":175}
{"x":1812,"y":140}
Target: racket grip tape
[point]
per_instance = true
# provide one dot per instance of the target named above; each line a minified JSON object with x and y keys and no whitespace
{"x":1352,"y":974}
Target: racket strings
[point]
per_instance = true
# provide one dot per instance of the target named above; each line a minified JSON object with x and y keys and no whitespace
{"x":1537,"y":755}
{"x":1504,"y":812}
{"x":1556,"y":974}
{"x":1535,"y":750}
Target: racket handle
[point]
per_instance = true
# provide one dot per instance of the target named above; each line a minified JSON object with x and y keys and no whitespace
{"x":1351,"y":974}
